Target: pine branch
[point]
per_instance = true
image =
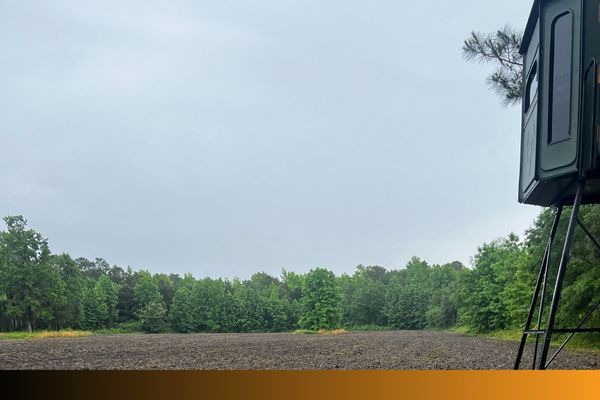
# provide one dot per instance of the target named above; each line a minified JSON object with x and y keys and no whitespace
{"x":500,"y":48}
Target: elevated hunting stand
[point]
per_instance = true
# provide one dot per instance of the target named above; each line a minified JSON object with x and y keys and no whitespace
{"x":560,"y":139}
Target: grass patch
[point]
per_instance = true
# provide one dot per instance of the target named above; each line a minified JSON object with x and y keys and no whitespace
{"x":319,"y":332}
{"x":64,"y":334}
{"x":369,"y":328}
{"x":579,"y":342}
{"x":113,"y":331}
{"x":120,"y":329}
{"x":304,"y":332}
{"x":512,"y":335}
{"x":460,"y":329}
{"x":509,"y":334}
{"x":340,"y":331}
{"x":44,"y":334}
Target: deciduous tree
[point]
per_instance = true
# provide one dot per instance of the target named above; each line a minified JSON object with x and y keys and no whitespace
{"x":321,"y":301}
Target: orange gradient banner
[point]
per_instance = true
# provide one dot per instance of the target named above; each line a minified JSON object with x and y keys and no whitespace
{"x":304,"y":385}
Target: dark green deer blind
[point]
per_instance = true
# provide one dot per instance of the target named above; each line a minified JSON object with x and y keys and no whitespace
{"x":560,"y":48}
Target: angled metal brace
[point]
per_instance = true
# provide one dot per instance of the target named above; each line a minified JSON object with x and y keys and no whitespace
{"x":588,"y":233}
{"x":576,"y":330}
{"x":540,"y":292}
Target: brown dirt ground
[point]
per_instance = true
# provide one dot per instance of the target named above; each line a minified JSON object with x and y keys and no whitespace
{"x":355,"y":350}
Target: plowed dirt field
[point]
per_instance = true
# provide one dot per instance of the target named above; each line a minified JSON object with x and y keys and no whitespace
{"x":354,"y":350}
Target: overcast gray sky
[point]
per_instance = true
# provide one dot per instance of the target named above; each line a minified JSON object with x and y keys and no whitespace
{"x":226,"y":137}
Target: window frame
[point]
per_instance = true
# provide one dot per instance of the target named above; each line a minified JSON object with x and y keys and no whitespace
{"x":553,"y":79}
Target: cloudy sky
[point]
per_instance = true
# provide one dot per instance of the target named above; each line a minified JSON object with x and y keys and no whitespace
{"x":227,"y":137}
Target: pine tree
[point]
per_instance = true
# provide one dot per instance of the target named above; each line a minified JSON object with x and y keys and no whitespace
{"x":500,"y":48}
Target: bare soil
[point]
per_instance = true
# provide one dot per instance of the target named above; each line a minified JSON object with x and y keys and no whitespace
{"x":354,"y":350}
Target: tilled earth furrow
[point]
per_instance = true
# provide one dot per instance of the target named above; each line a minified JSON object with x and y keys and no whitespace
{"x":354,"y":350}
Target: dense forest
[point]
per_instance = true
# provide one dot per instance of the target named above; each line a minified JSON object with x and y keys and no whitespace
{"x":41,"y":290}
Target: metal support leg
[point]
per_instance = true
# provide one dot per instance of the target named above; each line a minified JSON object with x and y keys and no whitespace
{"x":564,"y":260}
{"x":544,"y":283}
{"x":541,"y":282}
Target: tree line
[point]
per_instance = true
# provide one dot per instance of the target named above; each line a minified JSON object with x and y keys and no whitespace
{"x":41,"y":290}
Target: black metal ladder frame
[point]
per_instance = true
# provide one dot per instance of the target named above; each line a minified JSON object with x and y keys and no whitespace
{"x":540,"y":291}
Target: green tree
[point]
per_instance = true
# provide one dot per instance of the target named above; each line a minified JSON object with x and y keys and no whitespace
{"x":252,"y":308}
{"x":166,"y":288}
{"x":145,"y":291}
{"x":71,"y":314}
{"x":181,"y":312}
{"x":126,"y":302}
{"x":484,"y":304}
{"x":321,"y":301}
{"x":152,"y":316}
{"x":500,"y":48}
{"x":406,"y":306}
{"x":365,"y":297}
{"x":150,"y":309}
{"x":444,"y":303}
{"x":53,"y":300}
{"x":262,"y":281}
{"x":92,"y":312}
{"x":581,"y":284}
{"x":229,"y":310}
{"x":32,"y":289}
{"x":408,"y":296}
{"x":292,"y":286}
{"x":277,"y":311}
{"x":4,"y":321}
{"x":93,"y":269}
{"x":263,"y":305}
{"x":106,"y":295}
{"x":208,"y":298}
